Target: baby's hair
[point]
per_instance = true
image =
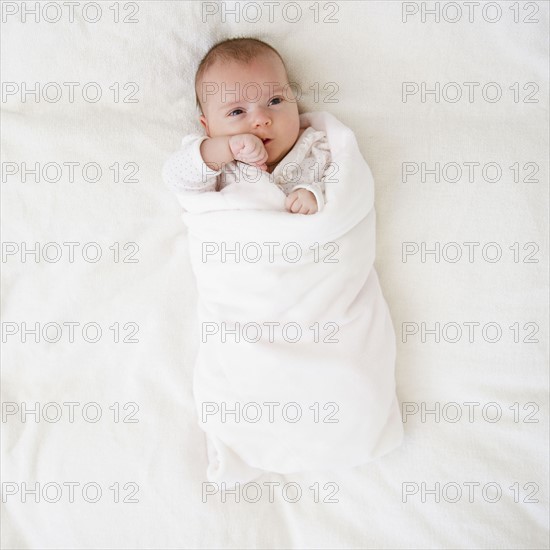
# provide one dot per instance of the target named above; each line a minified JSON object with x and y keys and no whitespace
{"x":241,"y":49}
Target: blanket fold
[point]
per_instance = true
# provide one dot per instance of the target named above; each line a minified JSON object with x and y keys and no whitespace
{"x":295,"y":368}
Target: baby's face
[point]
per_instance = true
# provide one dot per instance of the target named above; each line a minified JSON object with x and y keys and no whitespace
{"x":251,"y":99}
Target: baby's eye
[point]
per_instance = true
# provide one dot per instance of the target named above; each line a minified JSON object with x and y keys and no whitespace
{"x":280,"y":99}
{"x":236,"y":110}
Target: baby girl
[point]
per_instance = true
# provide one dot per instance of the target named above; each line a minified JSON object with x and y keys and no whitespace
{"x":250,"y":115}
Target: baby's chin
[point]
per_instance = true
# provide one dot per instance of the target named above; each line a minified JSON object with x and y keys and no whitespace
{"x":286,"y":148}
{"x":272,"y":162}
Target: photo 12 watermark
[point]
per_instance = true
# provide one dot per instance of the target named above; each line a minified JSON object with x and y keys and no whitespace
{"x":270,"y":12}
{"x":290,"y":172}
{"x":270,"y":492}
{"x":452,"y":332}
{"x":54,"y":412}
{"x":470,"y":92}
{"x":269,"y":251}
{"x":69,"y":92}
{"x":272,"y":412}
{"x":470,"y":12}
{"x":252,"y":332}
{"x":69,"y":252}
{"x":70,"y":12}
{"x":489,"y":492}
{"x":468,"y":172}
{"x":52,"y":492}
{"x":69,"y":332}
{"x":69,"y":172}
{"x":255,"y":92}
{"x":469,"y":252}
{"x":469,"y":412}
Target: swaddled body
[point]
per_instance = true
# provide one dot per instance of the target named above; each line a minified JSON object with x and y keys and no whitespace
{"x":314,"y":367}
{"x":337,"y":355}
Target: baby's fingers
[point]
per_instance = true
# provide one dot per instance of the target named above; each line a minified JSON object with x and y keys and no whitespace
{"x":289,"y":200}
{"x":262,"y":153}
{"x":255,"y":157}
{"x":296,"y":206}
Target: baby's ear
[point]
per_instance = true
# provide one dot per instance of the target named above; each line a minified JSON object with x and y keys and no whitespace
{"x":204,"y":122}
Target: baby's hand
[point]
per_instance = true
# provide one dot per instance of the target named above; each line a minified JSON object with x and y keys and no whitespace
{"x":249,"y":149}
{"x":301,"y":201}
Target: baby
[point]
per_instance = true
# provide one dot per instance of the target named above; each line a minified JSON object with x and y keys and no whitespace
{"x":250,"y":115}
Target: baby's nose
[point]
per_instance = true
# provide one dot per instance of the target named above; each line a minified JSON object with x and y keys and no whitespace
{"x":262,"y":119}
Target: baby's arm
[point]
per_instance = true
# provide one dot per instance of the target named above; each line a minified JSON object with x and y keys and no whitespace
{"x":215,"y":152}
{"x":197,"y":164}
{"x":311,"y":188}
{"x":185,"y":170}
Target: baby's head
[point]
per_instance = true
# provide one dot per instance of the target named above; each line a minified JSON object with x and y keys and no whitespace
{"x":242,"y":87}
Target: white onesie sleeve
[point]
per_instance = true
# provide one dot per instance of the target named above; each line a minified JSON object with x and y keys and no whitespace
{"x":185,"y":169}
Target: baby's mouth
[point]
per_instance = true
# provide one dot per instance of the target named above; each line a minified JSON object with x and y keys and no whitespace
{"x":266,"y":141}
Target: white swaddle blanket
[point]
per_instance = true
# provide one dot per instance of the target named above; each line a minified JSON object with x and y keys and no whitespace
{"x":295,"y":368}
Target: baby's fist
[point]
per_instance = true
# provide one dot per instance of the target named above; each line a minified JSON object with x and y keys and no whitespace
{"x":301,"y":201}
{"x":249,"y":149}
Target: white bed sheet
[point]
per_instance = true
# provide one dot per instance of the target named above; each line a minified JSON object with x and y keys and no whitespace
{"x":359,"y":62}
